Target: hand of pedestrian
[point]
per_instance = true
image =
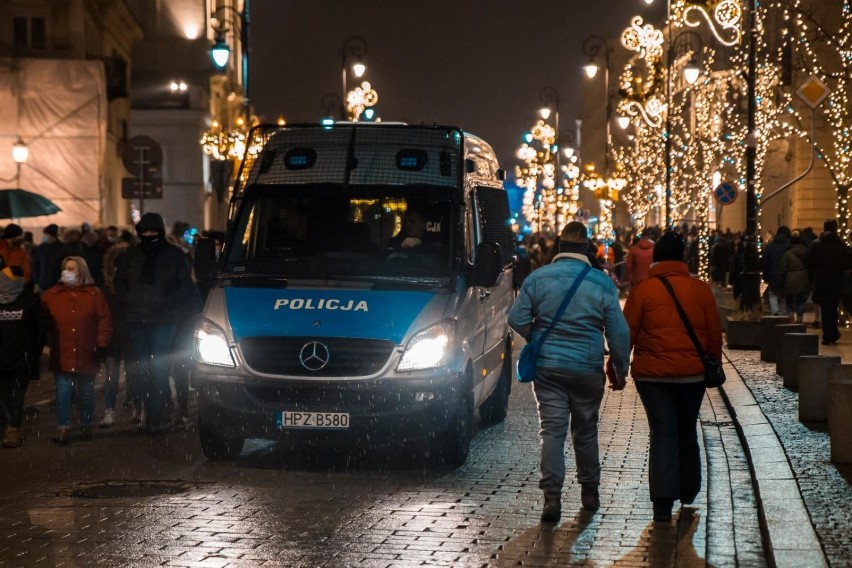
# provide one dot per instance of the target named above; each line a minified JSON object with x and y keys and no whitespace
{"x":617,"y":381}
{"x":101,"y":353}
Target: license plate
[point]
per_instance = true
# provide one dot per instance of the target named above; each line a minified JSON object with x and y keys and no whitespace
{"x":322,"y":420}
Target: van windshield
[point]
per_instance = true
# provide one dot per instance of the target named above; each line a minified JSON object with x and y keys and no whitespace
{"x":318,"y":232}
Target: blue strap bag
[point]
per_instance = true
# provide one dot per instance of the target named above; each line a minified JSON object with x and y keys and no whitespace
{"x":529,"y":354}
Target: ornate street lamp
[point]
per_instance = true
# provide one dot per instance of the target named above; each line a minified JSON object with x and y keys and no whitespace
{"x":594,"y":46}
{"x":20,"y":153}
{"x":354,"y":49}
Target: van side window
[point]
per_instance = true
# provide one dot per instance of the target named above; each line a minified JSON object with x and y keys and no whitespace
{"x":494,"y":219}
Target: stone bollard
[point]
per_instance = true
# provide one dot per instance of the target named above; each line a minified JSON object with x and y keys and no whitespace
{"x":791,"y":348}
{"x":767,"y":337}
{"x":778,"y":333}
{"x":840,"y":418}
{"x":813,"y":385}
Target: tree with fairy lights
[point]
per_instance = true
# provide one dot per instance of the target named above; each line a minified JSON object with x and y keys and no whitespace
{"x":550,"y":201}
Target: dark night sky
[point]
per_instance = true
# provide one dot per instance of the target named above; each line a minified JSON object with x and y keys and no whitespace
{"x":478,"y":65}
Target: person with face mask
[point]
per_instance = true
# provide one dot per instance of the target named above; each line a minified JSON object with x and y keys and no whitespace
{"x":79,"y":331}
{"x":153,"y":285}
{"x":12,"y":249}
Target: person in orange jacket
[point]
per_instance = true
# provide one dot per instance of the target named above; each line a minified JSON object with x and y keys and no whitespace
{"x":80,"y":330}
{"x":668,"y":371}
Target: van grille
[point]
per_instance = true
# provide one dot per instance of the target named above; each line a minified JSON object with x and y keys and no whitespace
{"x":345,"y":357}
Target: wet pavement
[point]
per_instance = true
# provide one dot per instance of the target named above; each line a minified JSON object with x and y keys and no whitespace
{"x":126,"y":499}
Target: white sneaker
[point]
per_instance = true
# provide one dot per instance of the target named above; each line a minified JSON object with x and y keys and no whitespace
{"x":108,"y":420}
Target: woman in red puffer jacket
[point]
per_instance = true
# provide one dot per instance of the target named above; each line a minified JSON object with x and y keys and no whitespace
{"x":80,"y":330}
{"x":668,"y":371}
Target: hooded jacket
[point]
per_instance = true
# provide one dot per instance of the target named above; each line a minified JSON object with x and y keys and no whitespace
{"x":153,"y":281}
{"x":660,"y":342}
{"x":639,"y":261}
{"x":79,"y":324}
{"x":576,"y":342}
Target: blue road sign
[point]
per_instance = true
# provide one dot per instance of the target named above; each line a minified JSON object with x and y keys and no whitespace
{"x":725,"y":193}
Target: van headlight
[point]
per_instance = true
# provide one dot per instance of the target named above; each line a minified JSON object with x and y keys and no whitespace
{"x":429,"y":348}
{"x":211,"y":345}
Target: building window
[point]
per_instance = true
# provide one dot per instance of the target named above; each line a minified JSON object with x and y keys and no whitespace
{"x":29,"y":33}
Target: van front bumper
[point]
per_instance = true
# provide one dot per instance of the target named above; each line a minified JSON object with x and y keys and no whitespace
{"x":396,"y":409}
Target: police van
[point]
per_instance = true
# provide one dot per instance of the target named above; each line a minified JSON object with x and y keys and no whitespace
{"x":362,"y":292}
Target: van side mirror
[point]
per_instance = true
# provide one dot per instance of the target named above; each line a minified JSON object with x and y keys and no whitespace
{"x":204,"y":262}
{"x":488,"y":265}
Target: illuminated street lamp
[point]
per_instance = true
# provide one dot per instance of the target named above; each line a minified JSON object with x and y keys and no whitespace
{"x":354,"y":48}
{"x":593,"y":46}
{"x":20,"y":153}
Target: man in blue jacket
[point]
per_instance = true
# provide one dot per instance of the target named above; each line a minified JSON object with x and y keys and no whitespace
{"x":569,"y":380}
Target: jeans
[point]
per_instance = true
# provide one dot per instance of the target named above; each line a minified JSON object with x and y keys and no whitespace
{"x":564,"y":398}
{"x":65,"y":383}
{"x":150,"y":348}
{"x":13,"y":388}
{"x":773,"y":302}
{"x":675,"y":459}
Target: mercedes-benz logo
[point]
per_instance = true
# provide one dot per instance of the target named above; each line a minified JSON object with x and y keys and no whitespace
{"x":314,"y":356}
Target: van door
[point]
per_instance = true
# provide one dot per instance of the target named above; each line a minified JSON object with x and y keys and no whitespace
{"x":492,"y":217}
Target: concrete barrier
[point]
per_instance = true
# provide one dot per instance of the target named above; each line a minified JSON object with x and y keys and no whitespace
{"x":840,"y":418}
{"x":778,"y":333}
{"x":767,"y":338}
{"x":791,"y":348}
{"x":813,"y":385}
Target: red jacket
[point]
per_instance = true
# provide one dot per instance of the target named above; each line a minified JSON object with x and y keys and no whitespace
{"x":639,"y":261}
{"x":660,"y":342}
{"x":79,"y":324}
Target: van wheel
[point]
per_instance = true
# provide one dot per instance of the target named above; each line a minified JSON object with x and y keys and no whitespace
{"x":454,"y":443}
{"x":216,"y":447}
{"x":496,"y":406}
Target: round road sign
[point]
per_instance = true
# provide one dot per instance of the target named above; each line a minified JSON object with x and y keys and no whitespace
{"x":725,"y":193}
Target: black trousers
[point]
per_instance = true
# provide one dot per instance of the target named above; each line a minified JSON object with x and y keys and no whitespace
{"x":13,"y":388}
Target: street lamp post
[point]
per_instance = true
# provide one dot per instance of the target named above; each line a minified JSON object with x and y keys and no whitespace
{"x":593,"y":46}
{"x":220,"y":51}
{"x":353,"y":47}
{"x":20,"y":153}
{"x":751,"y":135}
{"x":548,"y":97}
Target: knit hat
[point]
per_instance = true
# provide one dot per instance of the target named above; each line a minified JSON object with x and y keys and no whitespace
{"x":52,"y":230}
{"x":12,"y":231}
{"x":669,"y":247}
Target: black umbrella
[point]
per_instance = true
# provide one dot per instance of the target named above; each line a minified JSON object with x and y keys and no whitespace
{"x":18,"y":203}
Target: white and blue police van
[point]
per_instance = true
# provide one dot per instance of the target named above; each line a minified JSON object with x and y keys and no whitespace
{"x":362,"y":291}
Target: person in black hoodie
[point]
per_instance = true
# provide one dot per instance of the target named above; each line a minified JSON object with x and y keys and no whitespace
{"x":153,"y":283}
{"x":19,"y":348}
{"x":826,"y":259}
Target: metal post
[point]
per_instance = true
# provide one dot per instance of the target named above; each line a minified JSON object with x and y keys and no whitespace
{"x":751,"y":135}
{"x":667,"y":148}
{"x":353,"y":46}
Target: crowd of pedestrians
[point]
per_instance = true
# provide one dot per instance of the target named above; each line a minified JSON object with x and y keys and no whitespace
{"x":101,"y":301}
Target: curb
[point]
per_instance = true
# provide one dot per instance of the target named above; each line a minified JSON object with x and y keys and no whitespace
{"x":788,"y":534}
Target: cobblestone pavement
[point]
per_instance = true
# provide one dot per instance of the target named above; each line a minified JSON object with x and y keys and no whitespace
{"x":825,"y":487}
{"x":95,"y":502}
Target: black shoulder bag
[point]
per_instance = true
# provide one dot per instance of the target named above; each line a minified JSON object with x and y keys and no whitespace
{"x":714,"y":374}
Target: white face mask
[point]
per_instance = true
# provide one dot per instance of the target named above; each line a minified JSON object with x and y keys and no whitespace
{"x":70,"y":277}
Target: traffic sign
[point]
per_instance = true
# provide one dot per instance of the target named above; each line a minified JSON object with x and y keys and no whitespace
{"x":725,"y":193}
{"x":141,"y":152}
{"x":813,"y":91}
{"x":136,"y":188}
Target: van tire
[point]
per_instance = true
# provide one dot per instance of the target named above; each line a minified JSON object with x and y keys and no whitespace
{"x":216,"y":447}
{"x":453,"y":445}
{"x":496,"y":406}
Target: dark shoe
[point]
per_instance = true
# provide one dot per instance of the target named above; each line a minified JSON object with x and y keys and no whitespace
{"x":663,"y":509}
{"x":552,"y":508}
{"x":590,"y":498}
{"x":86,"y":432}
{"x":62,"y":437}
